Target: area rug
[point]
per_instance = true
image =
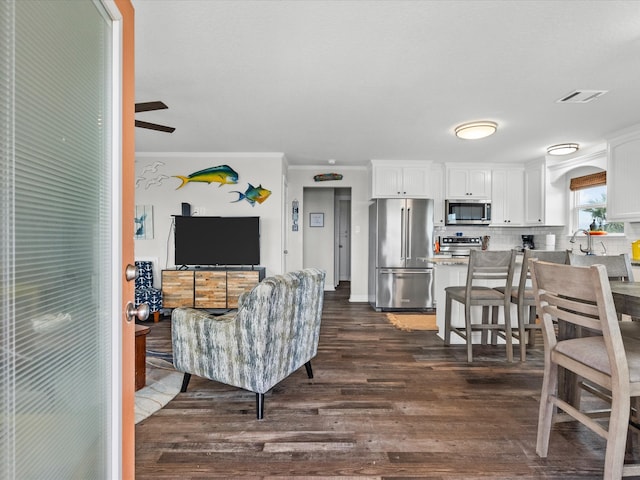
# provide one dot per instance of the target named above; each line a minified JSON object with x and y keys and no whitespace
{"x":163,"y":384}
{"x":413,"y":321}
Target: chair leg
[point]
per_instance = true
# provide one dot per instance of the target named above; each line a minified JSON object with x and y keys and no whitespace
{"x":447,"y":320}
{"x":522,"y":334}
{"x":507,"y":330}
{"x":545,"y":414}
{"x":617,"y":438}
{"x":467,"y":324}
{"x":308,"y":367}
{"x":532,"y":322}
{"x":484,"y":333}
{"x":260,"y":405}
{"x":185,"y":382}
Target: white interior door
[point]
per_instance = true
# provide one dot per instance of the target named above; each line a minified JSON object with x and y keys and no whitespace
{"x":60,"y":293}
{"x":345,"y":240}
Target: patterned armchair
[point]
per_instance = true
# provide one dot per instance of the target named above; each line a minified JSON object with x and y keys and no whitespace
{"x":145,"y":292}
{"x":273,"y":333}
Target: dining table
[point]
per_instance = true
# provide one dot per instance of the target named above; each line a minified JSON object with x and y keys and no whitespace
{"x":626,"y":296}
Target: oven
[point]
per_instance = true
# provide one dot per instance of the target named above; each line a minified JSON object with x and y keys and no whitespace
{"x":458,"y":246}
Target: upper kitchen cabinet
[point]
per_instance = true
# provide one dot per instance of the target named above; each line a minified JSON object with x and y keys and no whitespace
{"x":623,"y":171}
{"x":545,"y":201}
{"x":468,"y":182}
{"x":507,"y":206}
{"x":400,"y":179}
{"x":437,"y":189}
{"x":534,"y":208}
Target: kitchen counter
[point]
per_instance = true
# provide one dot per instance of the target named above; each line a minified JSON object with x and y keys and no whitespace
{"x":448,"y":260}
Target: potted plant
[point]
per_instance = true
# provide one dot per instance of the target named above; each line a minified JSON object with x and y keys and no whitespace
{"x":599,"y":217}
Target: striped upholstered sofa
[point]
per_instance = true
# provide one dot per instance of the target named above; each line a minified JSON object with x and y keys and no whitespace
{"x":274,"y":332}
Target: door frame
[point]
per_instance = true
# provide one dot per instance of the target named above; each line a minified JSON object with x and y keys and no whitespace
{"x":123,"y":352}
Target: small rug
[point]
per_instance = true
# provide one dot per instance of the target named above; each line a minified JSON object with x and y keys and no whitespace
{"x":413,"y":321}
{"x":163,"y":384}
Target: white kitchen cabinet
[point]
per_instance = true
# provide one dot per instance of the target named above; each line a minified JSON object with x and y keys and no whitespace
{"x":507,"y":197}
{"x":534,"y":194}
{"x":623,"y":171}
{"x":437,"y":188}
{"x":545,"y":202}
{"x":465,"y":182}
{"x":400,"y":180}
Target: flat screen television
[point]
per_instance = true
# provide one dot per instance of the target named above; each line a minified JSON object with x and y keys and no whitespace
{"x":217,"y":240}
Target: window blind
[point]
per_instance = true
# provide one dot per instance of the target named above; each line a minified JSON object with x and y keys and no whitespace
{"x":56,"y":247}
{"x":586,"y":181}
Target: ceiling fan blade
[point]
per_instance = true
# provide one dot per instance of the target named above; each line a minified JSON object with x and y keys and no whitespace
{"x":149,"y":106}
{"x":154,"y":126}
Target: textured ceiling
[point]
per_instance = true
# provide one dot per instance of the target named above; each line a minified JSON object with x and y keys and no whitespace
{"x":360,"y":80}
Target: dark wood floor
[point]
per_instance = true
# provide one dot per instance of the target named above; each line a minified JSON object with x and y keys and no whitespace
{"x":384,"y":404}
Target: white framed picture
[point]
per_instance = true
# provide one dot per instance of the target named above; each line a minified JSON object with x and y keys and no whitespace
{"x":316,"y":219}
{"x":143,"y":219}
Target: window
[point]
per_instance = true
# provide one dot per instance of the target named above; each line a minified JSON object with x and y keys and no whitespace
{"x":590,"y":204}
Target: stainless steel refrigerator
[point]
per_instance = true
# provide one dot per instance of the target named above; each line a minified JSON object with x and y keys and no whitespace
{"x":400,"y":246}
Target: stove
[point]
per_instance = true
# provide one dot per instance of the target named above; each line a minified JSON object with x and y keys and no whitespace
{"x":460,"y":246}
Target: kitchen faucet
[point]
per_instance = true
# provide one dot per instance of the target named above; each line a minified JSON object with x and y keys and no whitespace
{"x":589,"y":250}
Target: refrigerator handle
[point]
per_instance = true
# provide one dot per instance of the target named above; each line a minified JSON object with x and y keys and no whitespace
{"x":402,"y":237}
{"x":409,"y":249}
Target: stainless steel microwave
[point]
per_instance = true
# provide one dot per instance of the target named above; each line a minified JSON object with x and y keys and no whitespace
{"x":467,"y":212}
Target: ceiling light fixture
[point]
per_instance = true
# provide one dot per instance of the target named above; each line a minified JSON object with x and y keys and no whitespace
{"x":563,"y":149}
{"x":476,"y":130}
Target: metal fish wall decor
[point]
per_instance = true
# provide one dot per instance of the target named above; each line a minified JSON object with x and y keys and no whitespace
{"x":253,"y":194}
{"x":223,"y":174}
{"x":323,"y":177}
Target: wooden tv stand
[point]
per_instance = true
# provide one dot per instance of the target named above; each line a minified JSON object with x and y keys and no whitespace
{"x":208,"y":287}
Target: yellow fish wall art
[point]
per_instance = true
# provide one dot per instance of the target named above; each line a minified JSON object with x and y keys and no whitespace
{"x":223,"y":174}
{"x":253,"y":194}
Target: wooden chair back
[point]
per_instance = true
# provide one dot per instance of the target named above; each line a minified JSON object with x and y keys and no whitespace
{"x":618,"y":266}
{"x":488,"y":265}
{"x":551,"y":256}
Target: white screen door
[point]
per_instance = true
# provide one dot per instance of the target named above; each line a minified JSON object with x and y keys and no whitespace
{"x":58,"y":246}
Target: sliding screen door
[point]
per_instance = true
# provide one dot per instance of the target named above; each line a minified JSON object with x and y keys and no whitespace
{"x":58,"y":249}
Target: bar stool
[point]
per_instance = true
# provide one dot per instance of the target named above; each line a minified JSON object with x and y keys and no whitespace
{"x":484,"y":267}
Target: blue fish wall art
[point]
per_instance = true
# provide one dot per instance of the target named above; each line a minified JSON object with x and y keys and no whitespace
{"x":253,"y":194}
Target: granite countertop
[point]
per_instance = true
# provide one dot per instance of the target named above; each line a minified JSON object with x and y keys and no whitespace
{"x":448,"y":260}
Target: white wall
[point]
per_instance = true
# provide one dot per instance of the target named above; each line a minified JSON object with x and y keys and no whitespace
{"x":319,"y":242}
{"x":157,"y":186}
{"x":356,"y":178}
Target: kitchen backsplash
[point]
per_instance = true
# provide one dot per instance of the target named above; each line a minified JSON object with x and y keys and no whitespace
{"x":511,"y":237}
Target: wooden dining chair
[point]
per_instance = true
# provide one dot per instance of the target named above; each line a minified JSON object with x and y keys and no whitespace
{"x":484,"y":270}
{"x":618,"y":266}
{"x":618,"y":269}
{"x":522,"y":294}
{"x":581,"y":297}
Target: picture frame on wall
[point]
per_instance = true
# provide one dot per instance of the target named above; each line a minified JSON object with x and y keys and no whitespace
{"x":143,"y":219}
{"x":316,"y":219}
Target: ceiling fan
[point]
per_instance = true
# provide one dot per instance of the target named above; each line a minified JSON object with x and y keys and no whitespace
{"x":148,"y":107}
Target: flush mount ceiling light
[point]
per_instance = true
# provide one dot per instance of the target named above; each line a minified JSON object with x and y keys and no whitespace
{"x":476,"y":130}
{"x":563,"y":149}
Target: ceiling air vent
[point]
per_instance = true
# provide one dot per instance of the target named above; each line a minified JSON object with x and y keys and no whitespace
{"x":581,"y":96}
